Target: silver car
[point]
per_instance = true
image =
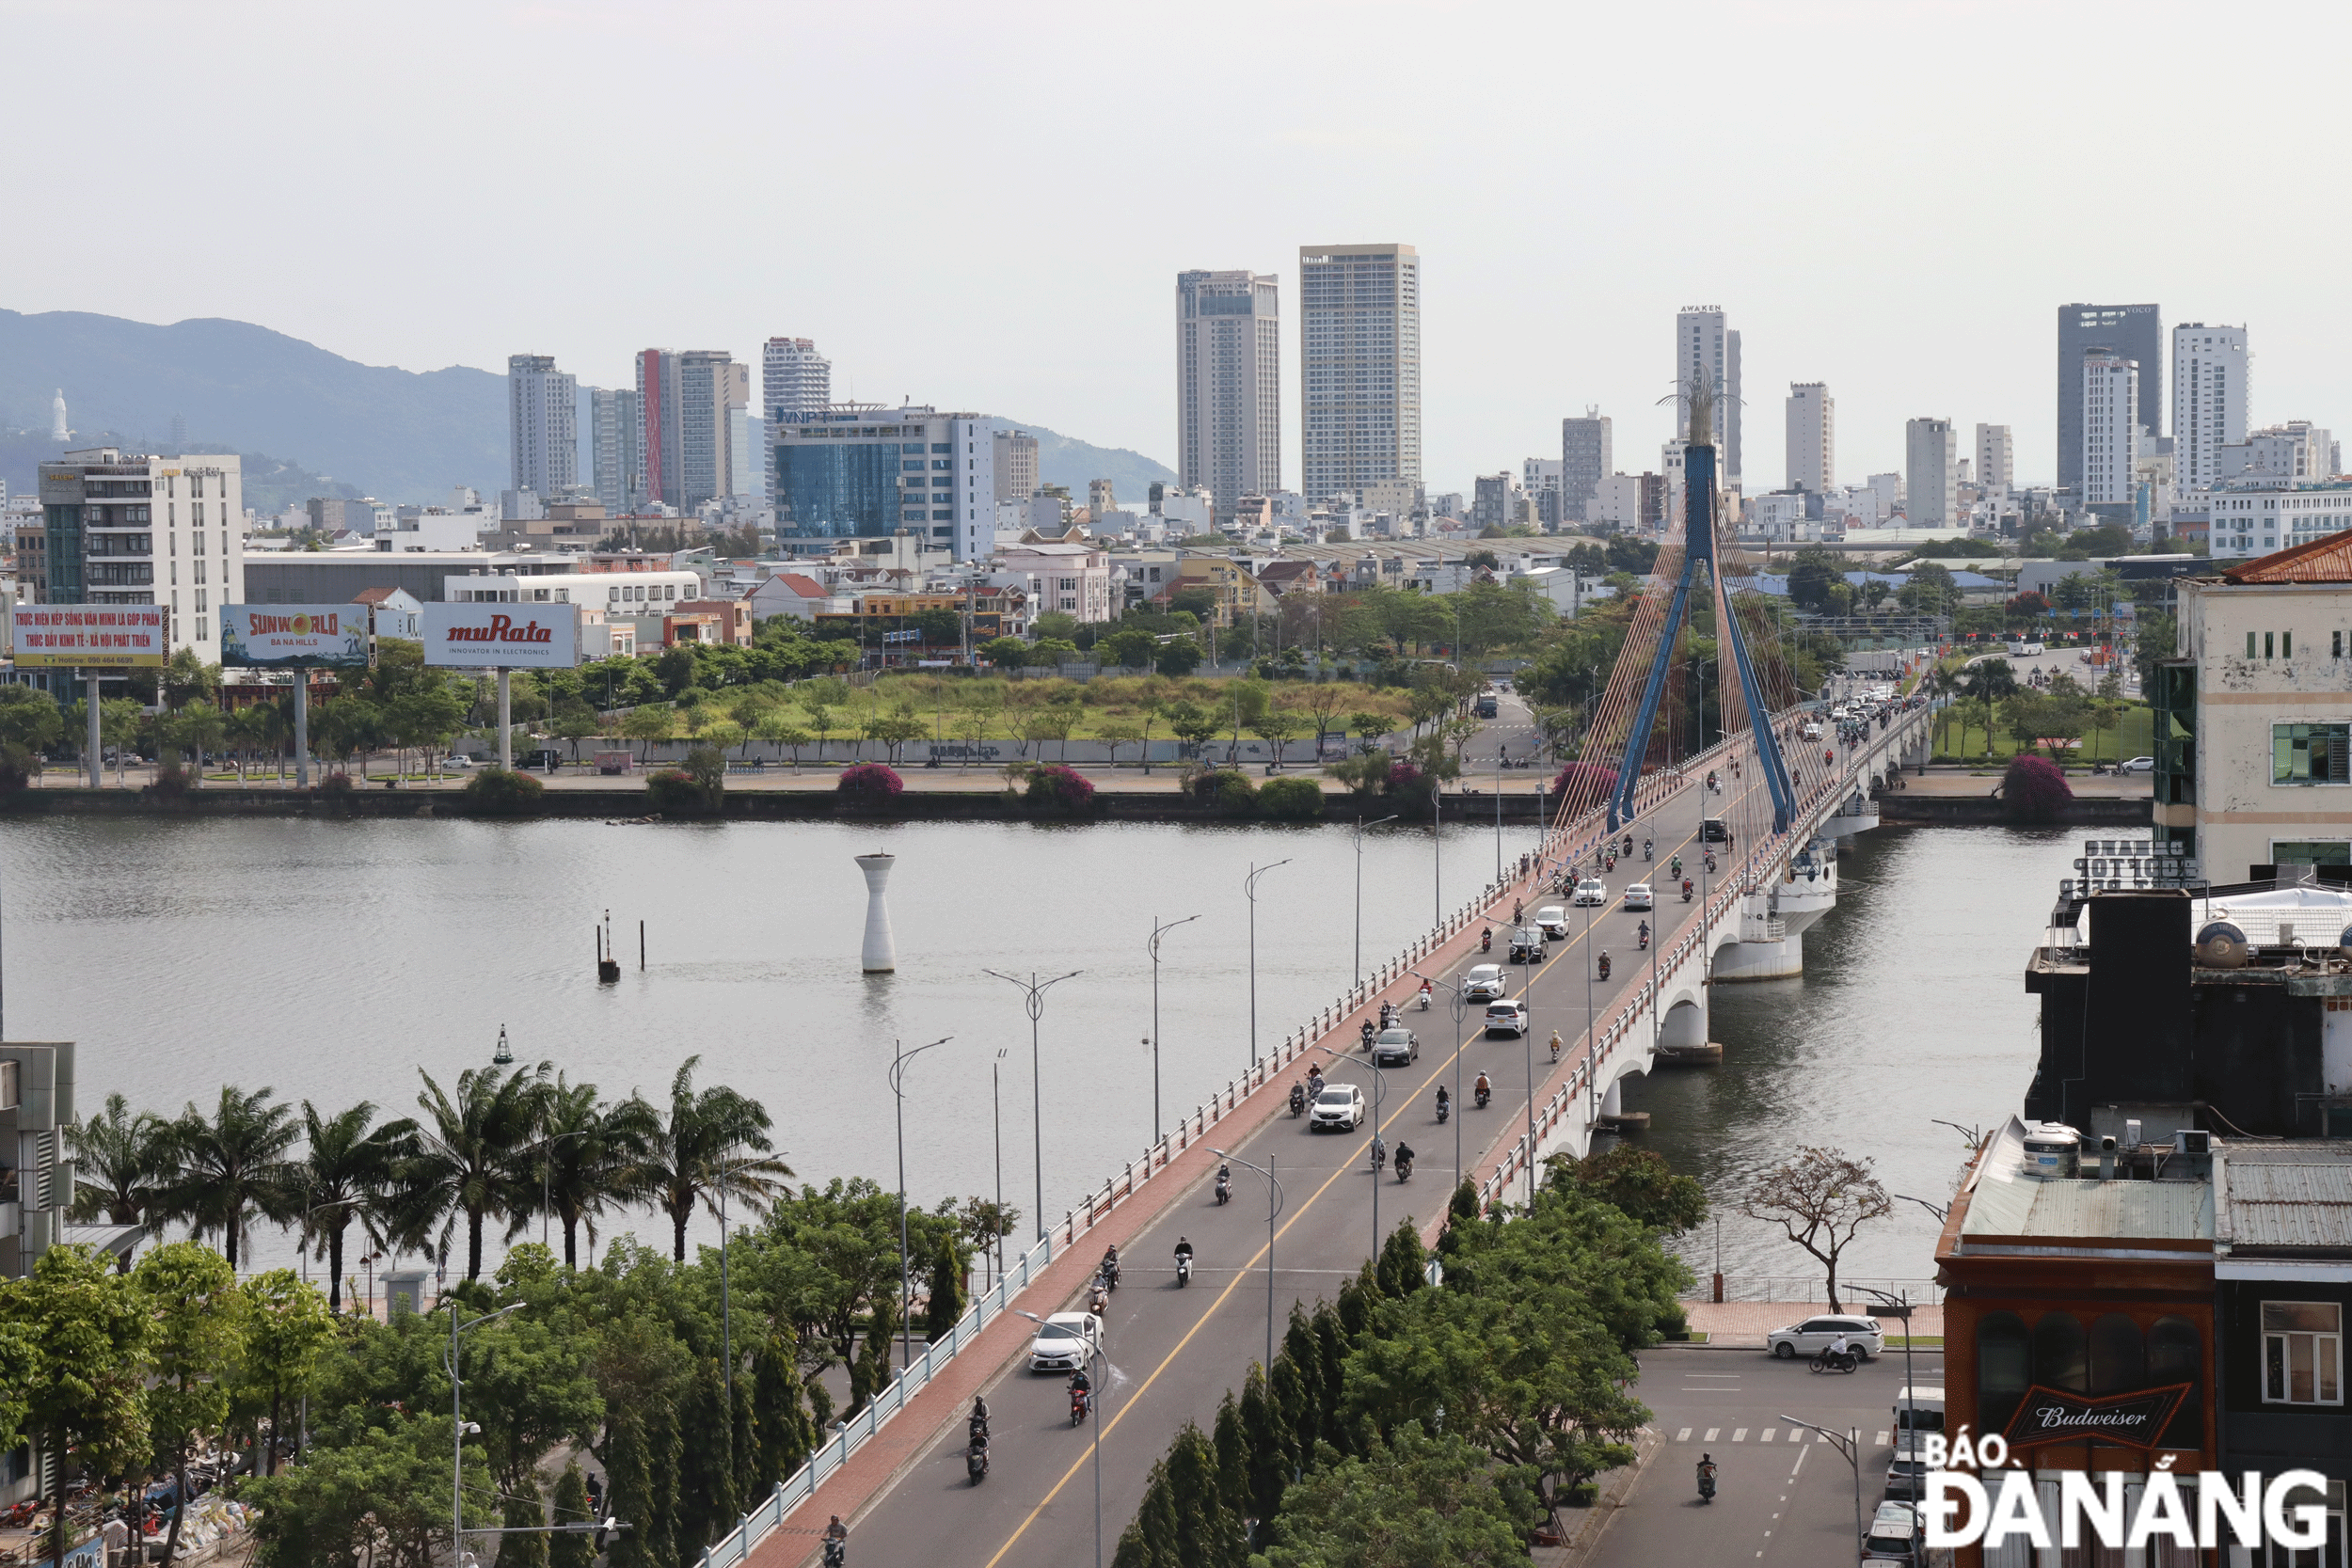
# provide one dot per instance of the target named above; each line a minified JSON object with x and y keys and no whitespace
{"x":1814,"y":1335}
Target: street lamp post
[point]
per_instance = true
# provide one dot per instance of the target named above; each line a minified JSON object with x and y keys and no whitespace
{"x":1902,"y":1302}
{"x":458,"y":1438}
{"x":1460,"y":1005}
{"x":1273,"y":1206}
{"x":1249,"y":886}
{"x":1158,"y":931}
{"x":1096,"y":1359}
{"x":1034,"y":992}
{"x":1361,"y":826}
{"x":898,"y":1060}
{"x":1380,"y":1098}
{"x":996,"y":1107}
{"x":1849,"y":1447}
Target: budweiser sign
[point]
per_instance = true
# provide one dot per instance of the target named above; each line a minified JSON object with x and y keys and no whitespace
{"x":502,"y":635}
{"x":2135,"y":1419}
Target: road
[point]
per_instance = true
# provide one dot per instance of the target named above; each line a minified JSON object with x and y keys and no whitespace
{"x":1783,"y":1495}
{"x":1173,"y":1353}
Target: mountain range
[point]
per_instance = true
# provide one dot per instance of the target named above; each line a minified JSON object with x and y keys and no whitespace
{"x":308,"y":420}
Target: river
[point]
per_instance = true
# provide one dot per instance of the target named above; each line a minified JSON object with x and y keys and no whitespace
{"x":335,"y":960}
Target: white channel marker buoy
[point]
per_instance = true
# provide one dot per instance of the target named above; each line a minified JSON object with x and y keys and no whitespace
{"x":881,"y":955}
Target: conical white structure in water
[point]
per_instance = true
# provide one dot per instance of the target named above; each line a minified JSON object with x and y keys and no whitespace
{"x":881,"y":955}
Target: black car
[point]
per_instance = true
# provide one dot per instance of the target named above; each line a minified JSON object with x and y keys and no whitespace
{"x":1713,"y":830}
{"x":547,"y":757}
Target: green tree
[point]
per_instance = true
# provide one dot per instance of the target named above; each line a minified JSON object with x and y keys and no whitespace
{"x":648,"y":726}
{"x":374,"y":1501}
{"x":1130,"y":648}
{"x":349,"y":1171}
{"x":1006,"y":653}
{"x":29,"y":718}
{"x":708,"y":1505}
{"x":233,"y":1164}
{"x":1115,"y":732}
{"x":123,"y":1162}
{"x":1819,"y":1197}
{"x":1191,"y":723}
{"x":1640,"y":1182}
{"x":187,"y":678}
{"x":199,"y":1338}
{"x":946,"y":1296}
{"x":590,"y":1158}
{"x":1278,"y":726}
{"x":527,"y":1517}
{"x":711,"y":1144}
{"x":1413,"y":1499}
{"x":1177,"y":660}
{"x":573,"y":1548}
{"x":287,"y":1328}
{"x":1816,"y":581}
{"x":469,"y":1147}
{"x":1987,"y":683}
{"x":84,"y":1333}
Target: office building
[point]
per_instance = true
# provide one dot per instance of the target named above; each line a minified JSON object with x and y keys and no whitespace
{"x":793,"y":378}
{"x":1017,"y":477}
{"x":1359,"y":366}
{"x":542,"y":411}
{"x":854,"y":470}
{"x":1706,"y":350}
{"x":1495,"y":498}
{"x":1812,"y":437}
{"x":1540,"y":483}
{"x":2110,"y":429}
{"x":1931,"y":473}
{"x":616,"y":447}
{"x":2295,"y":450}
{"x":685,"y":397}
{"x":103,"y":513}
{"x":2208,"y":402}
{"x":2256,"y":514}
{"x":1996,"y":459}
{"x":1229,"y":387}
{"x":1587,"y":456}
{"x":2136,"y":332}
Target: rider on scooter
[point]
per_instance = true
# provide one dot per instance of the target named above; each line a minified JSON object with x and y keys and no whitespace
{"x":1644,"y":930}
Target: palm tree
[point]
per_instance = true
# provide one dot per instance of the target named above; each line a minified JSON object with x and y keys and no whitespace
{"x":132,"y":1157}
{"x":591,"y":1157}
{"x":471,"y":1157}
{"x":349,"y":1172}
{"x":694,"y":1156}
{"x":234,"y":1163}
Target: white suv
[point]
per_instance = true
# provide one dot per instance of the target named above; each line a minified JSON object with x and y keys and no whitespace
{"x":1484,"y":983}
{"x":1814,"y":1335}
{"x":1339,"y":1105}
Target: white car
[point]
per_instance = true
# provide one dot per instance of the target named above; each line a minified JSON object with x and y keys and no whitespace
{"x":1395,"y":1047}
{"x":455,"y":761}
{"x":1592,"y":893}
{"x":1064,"y":1341}
{"x":1638,"y":896}
{"x":1554,"y":922}
{"x":2137,"y":765}
{"x":1506,"y":1018}
{"x":1817,"y":1333}
{"x":1484,"y":983}
{"x":1893,"y":1533}
{"x":1339,"y":1105}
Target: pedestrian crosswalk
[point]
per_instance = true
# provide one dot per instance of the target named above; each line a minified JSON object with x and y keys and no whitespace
{"x":1739,"y":1434}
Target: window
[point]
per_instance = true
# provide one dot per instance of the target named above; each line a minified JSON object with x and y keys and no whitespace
{"x":2302,"y":1353}
{"x":2250,"y":645}
{"x":2311,"y":753}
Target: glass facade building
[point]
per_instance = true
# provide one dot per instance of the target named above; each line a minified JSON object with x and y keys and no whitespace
{"x":841,"y":489}
{"x":850,"y":470}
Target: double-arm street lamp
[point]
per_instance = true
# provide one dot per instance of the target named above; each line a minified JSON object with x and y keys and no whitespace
{"x":1848,"y":1445}
{"x":899,"y":1061}
{"x":1033,"y":996}
{"x":1379,"y":1098}
{"x":1095,"y":1359}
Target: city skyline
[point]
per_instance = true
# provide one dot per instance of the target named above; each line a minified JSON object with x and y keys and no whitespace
{"x":1533,"y":310}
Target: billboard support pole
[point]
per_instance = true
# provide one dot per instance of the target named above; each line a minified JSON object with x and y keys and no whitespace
{"x":97,"y":759}
{"x":506,"y":728}
{"x":302,"y":727}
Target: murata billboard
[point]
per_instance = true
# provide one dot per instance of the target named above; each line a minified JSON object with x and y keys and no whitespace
{"x":502,"y":635}
{"x":291,"y":636}
{"x":89,"y":636}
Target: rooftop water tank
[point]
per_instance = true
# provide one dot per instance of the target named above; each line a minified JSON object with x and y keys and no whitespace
{"x":2052,"y":1150}
{"x":2222,"y":945}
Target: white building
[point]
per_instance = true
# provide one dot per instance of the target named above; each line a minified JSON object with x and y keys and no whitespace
{"x":1617,"y":502}
{"x":1188,"y":512}
{"x":1708,"y":352}
{"x":1496,"y":502}
{"x":2295,"y":450}
{"x":1228,"y":385}
{"x":435,"y":528}
{"x":1587,"y":456}
{"x":857,"y":470}
{"x":1359,"y":366}
{"x":652,"y":590}
{"x":105,"y":511}
{"x":2257,"y":514}
{"x":794,"y":378}
{"x":2110,"y":427}
{"x":1075,"y":578}
{"x":1997,"y":458}
{"x":542,"y":418}
{"x":1812,"y":437}
{"x":1931,"y":473}
{"x":2209,"y":366}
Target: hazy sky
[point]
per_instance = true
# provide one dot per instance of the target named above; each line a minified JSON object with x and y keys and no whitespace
{"x":985,"y":205}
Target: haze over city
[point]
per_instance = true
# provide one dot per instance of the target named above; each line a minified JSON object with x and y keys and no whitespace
{"x":985,"y":209}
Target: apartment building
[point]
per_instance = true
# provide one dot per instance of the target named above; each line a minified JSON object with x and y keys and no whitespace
{"x":122,"y":528}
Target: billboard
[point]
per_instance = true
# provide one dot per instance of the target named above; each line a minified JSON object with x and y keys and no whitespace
{"x":502,"y":635}
{"x":89,"y":636}
{"x":287,"y":636}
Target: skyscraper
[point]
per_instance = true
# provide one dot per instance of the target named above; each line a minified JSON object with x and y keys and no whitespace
{"x":685,"y":396}
{"x":1997,"y":462}
{"x":1229,"y":386}
{"x":2208,"y":402}
{"x":1812,"y":437}
{"x":2133,"y":331}
{"x":1704,"y":347}
{"x":1359,"y":366}
{"x":1586,"y":458}
{"x":2110,"y":427}
{"x":1016,"y":464}
{"x":616,"y":437}
{"x":1932,"y":473}
{"x":794,"y":378}
{"x":541,"y":411}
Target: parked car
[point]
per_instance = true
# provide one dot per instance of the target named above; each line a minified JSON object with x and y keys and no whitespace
{"x":2137,"y":765}
{"x":1638,"y":896}
{"x":1815,"y":1334}
{"x":1484,"y":983}
{"x":1592,"y":893}
{"x":1918,"y":1412}
{"x":1339,"y":1105}
{"x":1526,"y":946}
{"x":1395,"y":1048}
{"x":1893,"y":1533}
{"x":1554,"y":921}
{"x":1064,"y":1341}
{"x":546,"y":756}
{"x":1506,"y":1018}
{"x":455,"y":760}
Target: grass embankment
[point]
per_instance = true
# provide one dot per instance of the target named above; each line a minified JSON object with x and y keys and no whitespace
{"x":2134,"y":736}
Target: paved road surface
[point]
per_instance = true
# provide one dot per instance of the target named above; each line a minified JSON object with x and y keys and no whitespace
{"x":1175,"y":1351}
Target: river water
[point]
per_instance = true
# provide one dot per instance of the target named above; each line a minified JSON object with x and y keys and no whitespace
{"x":335,"y":960}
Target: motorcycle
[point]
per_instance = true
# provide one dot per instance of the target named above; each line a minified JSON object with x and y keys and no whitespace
{"x":1834,"y":1361}
{"x":1645,"y":851}
{"x":836,"y":1553}
{"x":1707,"y":1489}
{"x":1423,"y":998}
{"x":1642,"y":941}
{"x":1711,"y":860}
{"x":1483,"y":1095}
{"x":1369,"y":1032}
{"x":1298,"y":1100}
{"x":1487,"y":941}
{"x":1445,"y":1109}
{"x":1604,"y":966}
{"x":976,"y":1460}
{"x":1403,"y":1167}
{"x":1686,"y":890}
{"x":1184,"y":1269}
{"x":1224,"y":1186}
{"x":1100,"y":1302}
{"x":1379,"y":1154}
{"x":1079,"y":1404}
{"x":1108,"y":1274}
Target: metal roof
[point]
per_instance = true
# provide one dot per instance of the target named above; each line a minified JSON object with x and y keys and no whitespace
{"x":2293,"y":1196}
{"x":2120,"y":1211}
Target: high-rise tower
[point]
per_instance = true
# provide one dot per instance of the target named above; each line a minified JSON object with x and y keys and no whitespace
{"x":2133,"y":331}
{"x":1228,"y":385}
{"x":1705,"y":347}
{"x":2208,"y":402}
{"x":542,"y":413}
{"x":1812,"y":437}
{"x":1359,"y":366}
